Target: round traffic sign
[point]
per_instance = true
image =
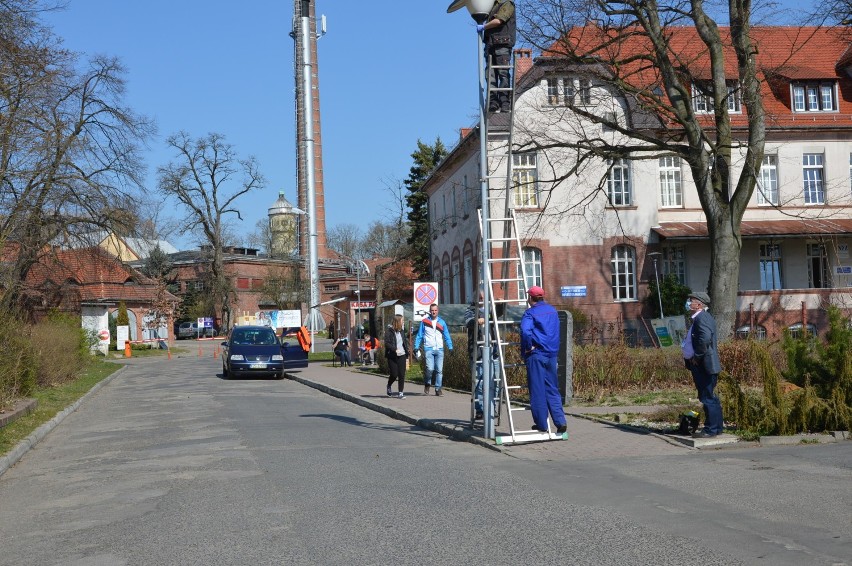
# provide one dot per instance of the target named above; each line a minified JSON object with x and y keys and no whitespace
{"x":103,"y":335}
{"x":426,"y":294}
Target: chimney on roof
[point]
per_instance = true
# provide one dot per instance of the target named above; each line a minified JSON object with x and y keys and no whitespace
{"x":523,"y":62}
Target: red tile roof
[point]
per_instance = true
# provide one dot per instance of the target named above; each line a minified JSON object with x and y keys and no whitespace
{"x":788,"y":53}
{"x":95,"y":274}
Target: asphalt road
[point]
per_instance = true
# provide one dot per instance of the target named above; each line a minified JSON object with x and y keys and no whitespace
{"x":169,"y":464}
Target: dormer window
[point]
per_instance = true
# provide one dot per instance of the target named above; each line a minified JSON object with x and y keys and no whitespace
{"x":569,"y":91}
{"x":702,"y":97}
{"x":815,"y":96}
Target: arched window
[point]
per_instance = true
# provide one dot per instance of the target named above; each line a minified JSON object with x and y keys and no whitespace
{"x":796,"y":330}
{"x":623,"y":260}
{"x":758,"y":333}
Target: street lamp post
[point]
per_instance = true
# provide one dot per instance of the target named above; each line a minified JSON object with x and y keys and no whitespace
{"x":654,"y":256}
{"x":479,"y":12}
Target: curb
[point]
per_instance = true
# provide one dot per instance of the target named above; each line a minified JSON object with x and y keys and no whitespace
{"x":451,"y":431}
{"x":13,"y":456}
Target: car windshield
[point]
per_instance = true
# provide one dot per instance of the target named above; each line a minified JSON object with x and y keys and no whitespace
{"x":255,"y":337}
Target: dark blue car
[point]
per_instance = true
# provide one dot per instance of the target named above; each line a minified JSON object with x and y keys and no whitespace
{"x":256,"y":350}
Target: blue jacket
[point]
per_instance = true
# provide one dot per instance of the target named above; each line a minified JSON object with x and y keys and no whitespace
{"x":540,"y":330}
{"x":436,"y":335}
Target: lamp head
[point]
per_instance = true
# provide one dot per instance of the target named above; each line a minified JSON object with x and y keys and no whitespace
{"x":478,"y":8}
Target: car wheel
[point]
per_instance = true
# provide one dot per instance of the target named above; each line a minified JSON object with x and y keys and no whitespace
{"x":225,"y":373}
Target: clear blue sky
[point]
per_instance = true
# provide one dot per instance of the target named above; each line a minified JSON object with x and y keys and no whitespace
{"x":390,"y":73}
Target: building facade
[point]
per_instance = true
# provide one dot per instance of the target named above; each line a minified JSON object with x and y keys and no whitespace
{"x":591,"y":229}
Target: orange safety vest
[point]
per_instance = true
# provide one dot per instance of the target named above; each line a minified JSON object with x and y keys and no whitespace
{"x":304,"y":337}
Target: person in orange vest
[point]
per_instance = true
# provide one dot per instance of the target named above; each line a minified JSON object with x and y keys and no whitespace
{"x":371,"y":346}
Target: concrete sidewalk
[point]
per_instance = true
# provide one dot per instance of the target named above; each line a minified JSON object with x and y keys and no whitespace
{"x":450,"y":415}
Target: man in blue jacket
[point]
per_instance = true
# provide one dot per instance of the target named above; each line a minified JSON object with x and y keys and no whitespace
{"x":434,"y":335}
{"x":701,"y":356}
{"x":539,"y":348}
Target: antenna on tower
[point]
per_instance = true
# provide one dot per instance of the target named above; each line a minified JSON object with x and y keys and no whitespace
{"x":322,"y":30}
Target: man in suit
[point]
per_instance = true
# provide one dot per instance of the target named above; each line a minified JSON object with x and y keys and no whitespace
{"x":701,"y":356}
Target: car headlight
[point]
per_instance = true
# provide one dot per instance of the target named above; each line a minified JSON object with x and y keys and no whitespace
{"x":237,"y":357}
{"x":277,"y":358}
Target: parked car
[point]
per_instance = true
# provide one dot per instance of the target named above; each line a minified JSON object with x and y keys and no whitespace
{"x":190,"y":330}
{"x":256,"y":350}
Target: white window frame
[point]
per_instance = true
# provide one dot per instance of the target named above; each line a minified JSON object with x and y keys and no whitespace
{"x":767,"y":181}
{"x":702,"y":102}
{"x":623,"y":263}
{"x":455,"y":207}
{"x":771,"y":277}
{"x":532,"y":266}
{"x":817,"y":258}
{"x":618,"y":183}
{"x":525,"y":180}
{"x":568,"y":91}
{"x":674,"y":262}
{"x":814,"y":96}
{"x":813,"y":177}
{"x":671,"y":188}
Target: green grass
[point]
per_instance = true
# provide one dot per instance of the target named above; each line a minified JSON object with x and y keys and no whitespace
{"x":53,"y":400}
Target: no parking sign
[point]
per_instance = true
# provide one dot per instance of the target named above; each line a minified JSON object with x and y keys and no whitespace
{"x":424,"y":295}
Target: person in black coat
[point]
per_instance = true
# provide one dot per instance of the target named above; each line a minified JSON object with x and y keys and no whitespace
{"x":701,"y":356}
{"x":396,"y":352}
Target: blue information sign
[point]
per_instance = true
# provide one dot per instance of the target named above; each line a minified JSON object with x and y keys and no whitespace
{"x":573,"y":291}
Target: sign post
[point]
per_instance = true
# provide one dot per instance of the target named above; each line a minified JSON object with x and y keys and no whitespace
{"x":424,"y":295}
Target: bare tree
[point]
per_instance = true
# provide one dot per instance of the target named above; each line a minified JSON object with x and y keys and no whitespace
{"x":347,"y":240}
{"x":206,"y":179}
{"x":284,"y":287}
{"x":635,"y":50}
{"x":69,"y":151}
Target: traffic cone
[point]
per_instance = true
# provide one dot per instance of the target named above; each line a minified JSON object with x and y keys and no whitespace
{"x":127,"y":352}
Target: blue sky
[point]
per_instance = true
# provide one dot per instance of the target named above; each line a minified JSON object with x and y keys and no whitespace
{"x":390,"y":73}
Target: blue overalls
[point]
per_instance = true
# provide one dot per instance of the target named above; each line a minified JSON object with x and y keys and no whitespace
{"x":539,"y":347}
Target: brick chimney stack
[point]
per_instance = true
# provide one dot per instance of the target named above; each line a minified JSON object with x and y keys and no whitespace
{"x":302,"y":186}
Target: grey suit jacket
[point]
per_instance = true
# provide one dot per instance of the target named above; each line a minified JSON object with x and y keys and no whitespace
{"x":704,"y":342}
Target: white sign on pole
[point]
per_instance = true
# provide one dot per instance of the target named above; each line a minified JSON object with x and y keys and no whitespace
{"x":122,"y":335}
{"x":289,"y":319}
{"x":424,"y":295}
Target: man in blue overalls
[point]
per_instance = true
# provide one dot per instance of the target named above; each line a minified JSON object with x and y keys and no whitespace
{"x":539,"y":348}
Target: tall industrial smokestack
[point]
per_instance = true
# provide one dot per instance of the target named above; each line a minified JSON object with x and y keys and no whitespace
{"x":302,"y":151}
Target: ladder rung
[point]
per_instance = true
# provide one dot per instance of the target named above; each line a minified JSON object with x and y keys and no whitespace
{"x":513,"y":387}
{"x":519,"y":409}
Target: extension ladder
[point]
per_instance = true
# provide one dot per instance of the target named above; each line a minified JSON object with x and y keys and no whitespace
{"x":505,"y":274}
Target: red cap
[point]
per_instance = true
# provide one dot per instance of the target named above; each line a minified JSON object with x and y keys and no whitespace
{"x":536,"y":291}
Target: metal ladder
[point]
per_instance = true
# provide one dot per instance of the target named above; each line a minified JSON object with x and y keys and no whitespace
{"x":505,"y":275}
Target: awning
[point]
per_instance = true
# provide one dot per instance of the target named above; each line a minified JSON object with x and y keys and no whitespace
{"x":760,"y":228}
